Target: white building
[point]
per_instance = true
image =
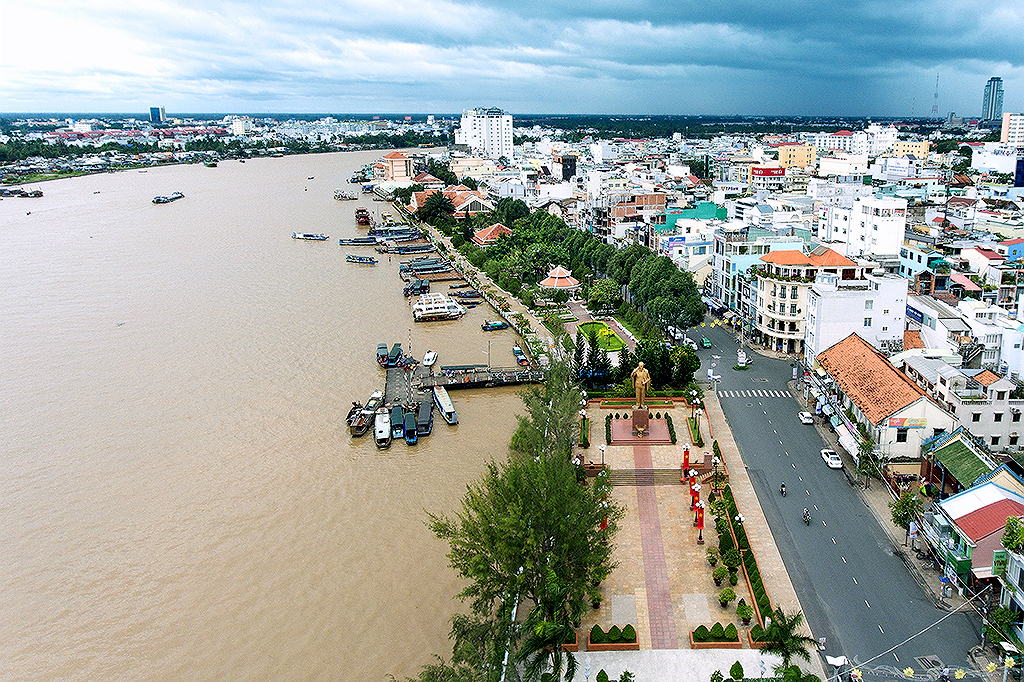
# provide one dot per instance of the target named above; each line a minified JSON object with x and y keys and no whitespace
{"x":487,"y":132}
{"x":1012,"y":132}
{"x":871,"y":225}
{"x":875,"y":308}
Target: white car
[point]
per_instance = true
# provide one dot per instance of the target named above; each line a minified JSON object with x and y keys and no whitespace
{"x":831,"y":459}
{"x":806,"y":418}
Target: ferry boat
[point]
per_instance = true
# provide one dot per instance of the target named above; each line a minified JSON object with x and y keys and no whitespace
{"x":310,"y":236}
{"x":429,"y":358}
{"x":169,"y":198}
{"x":425,"y":418}
{"x":362,"y":216}
{"x":436,"y":307}
{"x":342,"y":195}
{"x":444,"y":405}
{"x":359,"y":423}
{"x":494,"y":325}
{"x":382,"y":428}
{"x":358,"y":241}
{"x":365,"y":260}
{"x":411,"y":433}
{"x":382,"y":354}
{"x":397,"y":422}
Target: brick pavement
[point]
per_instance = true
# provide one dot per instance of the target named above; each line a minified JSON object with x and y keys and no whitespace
{"x":659,"y":595}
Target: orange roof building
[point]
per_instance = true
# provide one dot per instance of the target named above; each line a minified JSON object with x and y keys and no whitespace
{"x":490,"y":235}
{"x":559,"y":278}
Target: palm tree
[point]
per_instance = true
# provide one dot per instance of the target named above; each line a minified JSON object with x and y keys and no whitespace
{"x":783,"y":638}
{"x":542,"y":649}
{"x":436,"y":206}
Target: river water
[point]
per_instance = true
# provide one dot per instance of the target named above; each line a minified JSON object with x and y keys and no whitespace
{"x":179,"y":498}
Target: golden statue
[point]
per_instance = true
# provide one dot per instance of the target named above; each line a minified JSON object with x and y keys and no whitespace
{"x":641,"y":383}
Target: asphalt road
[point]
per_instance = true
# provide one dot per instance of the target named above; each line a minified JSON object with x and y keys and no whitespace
{"x":855,"y":591}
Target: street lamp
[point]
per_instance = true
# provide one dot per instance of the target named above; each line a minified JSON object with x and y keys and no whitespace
{"x":715,"y":462}
{"x":700,"y":523}
{"x":601,"y":448}
{"x":695,"y":499}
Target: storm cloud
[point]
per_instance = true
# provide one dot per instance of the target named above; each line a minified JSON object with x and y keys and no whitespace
{"x":786,"y":57}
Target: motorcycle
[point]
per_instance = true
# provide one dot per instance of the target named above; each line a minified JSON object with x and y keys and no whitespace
{"x":782,"y":490}
{"x":807,"y":518}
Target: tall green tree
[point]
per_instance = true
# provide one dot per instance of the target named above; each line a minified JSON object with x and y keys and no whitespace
{"x":905,"y":509}
{"x":784,"y":639}
{"x":437,"y":207}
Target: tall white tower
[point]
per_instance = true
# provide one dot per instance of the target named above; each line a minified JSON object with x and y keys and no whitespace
{"x":487,"y":132}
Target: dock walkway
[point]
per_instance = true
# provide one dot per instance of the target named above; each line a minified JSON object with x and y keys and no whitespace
{"x":484,"y":377}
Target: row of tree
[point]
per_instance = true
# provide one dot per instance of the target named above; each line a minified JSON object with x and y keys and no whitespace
{"x":670,"y":368}
{"x":528,"y":533}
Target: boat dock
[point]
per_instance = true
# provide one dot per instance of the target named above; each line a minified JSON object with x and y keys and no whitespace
{"x":396,"y":392}
{"x":481,"y":377}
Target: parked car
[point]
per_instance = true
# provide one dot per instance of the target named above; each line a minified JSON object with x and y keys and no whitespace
{"x":705,"y":342}
{"x":806,"y":418}
{"x":831,"y":459}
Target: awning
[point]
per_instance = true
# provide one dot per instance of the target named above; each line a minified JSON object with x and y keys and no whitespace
{"x":821,"y":371}
{"x":834,"y":420}
{"x":826,"y":408}
{"x":847,"y":441}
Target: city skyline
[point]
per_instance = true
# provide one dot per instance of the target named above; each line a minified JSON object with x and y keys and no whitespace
{"x":447,"y":55}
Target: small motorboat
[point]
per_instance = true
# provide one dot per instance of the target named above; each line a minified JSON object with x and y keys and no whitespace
{"x":429,"y":358}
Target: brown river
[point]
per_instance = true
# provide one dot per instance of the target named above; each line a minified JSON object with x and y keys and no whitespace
{"x":179,"y":496}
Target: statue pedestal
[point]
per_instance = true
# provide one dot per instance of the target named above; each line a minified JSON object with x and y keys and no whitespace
{"x":641,"y":423}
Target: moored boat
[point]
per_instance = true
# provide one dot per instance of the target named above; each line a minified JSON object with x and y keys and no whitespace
{"x":358,"y":241}
{"x":365,"y":260}
{"x":395,"y":355}
{"x":382,"y":428}
{"x":169,"y":198}
{"x":494,"y":325}
{"x":397,"y":422}
{"x":310,"y":236}
{"x":444,"y":405}
{"x":520,"y":356}
{"x":429,"y":358}
{"x":432,"y":307}
{"x":359,"y":423}
{"x":425,"y":418}
{"x":382,"y":354}
{"x":411,"y":433}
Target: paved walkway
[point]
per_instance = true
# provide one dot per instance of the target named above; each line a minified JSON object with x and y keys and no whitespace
{"x":659,"y":595}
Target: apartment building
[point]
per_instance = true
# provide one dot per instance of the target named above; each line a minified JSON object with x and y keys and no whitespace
{"x":1012,"y":131}
{"x":796,"y":154}
{"x":909,"y":148}
{"x":487,"y":132}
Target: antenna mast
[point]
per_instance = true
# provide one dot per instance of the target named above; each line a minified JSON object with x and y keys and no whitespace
{"x":935,"y":102}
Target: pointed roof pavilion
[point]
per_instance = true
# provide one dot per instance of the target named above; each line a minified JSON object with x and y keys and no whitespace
{"x":559,"y":278}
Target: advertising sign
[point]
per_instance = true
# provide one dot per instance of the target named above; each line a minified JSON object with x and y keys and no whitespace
{"x":907,"y":423}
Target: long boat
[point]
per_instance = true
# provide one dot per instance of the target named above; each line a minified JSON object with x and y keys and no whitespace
{"x":311,"y":236}
{"x":359,"y":423}
{"x":382,"y":354}
{"x":397,"y":422}
{"x":382,"y":428}
{"x":411,"y":432}
{"x":395,"y":356}
{"x":444,"y":405}
{"x":425,"y":418}
{"x":494,"y":325}
{"x":166,"y":199}
{"x":365,"y":260}
{"x":358,"y":241}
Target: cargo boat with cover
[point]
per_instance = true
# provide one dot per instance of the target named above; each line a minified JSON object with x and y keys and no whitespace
{"x":444,"y":405}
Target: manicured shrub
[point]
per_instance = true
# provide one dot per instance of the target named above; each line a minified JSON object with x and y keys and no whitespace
{"x":602,"y":676}
{"x":734,"y":578}
{"x":629,"y":634}
{"x":731,"y":558}
{"x":736,"y":671}
{"x":731,"y":635}
{"x":608,"y":429}
{"x":726,"y":595}
{"x":657,"y":415}
{"x":597,"y":635}
{"x":671,"y":428}
{"x":614,"y":634}
{"x":719,"y":574}
{"x":717,"y":632}
{"x":757,"y":633}
{"x":712,"y":555}
{"x":725,"y":543}
{"x":701,"y":634}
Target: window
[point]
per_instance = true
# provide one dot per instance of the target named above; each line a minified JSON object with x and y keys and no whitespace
{"x":867,"y":321}
{"x":869,"y":304}
{"x":995,"y":440}
{"x":1015,"y":417}
{"x":885,"y":312}
{"x":901,"y":435}
{"x":1013,"y":440}
{"x":792,"y":308}
{"x":885,"y":329}
{"x":976,"y":417}
{"x":1000,"y":395}
{"x":997,"y":417}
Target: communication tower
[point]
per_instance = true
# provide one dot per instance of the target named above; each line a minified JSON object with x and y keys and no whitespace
{"x":935,"y":102}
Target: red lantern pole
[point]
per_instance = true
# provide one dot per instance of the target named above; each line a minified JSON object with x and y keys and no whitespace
{"x":700,"y":523}
{"x":686,"y":457}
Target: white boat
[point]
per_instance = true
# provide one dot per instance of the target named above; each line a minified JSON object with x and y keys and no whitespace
{"x":436,"y":307}
{"x":444,"y":405}
{"x":382,"y":428}
{"x":429,"y":358}
{"x":310,"y":236}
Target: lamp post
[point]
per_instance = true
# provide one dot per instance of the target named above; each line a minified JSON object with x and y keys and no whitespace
{"x":715,"y":462}
{"x":695,"y":500}
{"x":601,"y":448}
{"x":693,"y":402}
{"x":700,"y":523}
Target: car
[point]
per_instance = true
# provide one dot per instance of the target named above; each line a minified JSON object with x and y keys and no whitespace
{"x":831,"y":459}
{"x":806,"y":418}
{"x":705,"y":342}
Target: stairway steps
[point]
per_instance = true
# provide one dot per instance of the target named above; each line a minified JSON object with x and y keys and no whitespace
{"x":643,"y":477}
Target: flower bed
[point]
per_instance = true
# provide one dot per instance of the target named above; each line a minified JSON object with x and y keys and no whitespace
{"x":715,"y":638}
{"x":606,"y":338}
{"x":613,"y":640}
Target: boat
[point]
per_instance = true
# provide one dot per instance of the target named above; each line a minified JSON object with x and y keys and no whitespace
{"x":342,"y":195}
{"x":310,"y":236}
{"x":429,"y":358}
{"x":494,"y":325}
{"x":397,"y":422}
{"x":425,"y":418}
{"x":362,"y":216}
{"x":358,"y":241}
{"x":210,"y":164}
{"x":395,"y":355}
{"x":169,"y":198}
{"x":520,"y":356}
{"x":432,"y":307}
{"x":359,"y":423}
{"x":365,"y":260}
{"x":411,"y":432}
{"x":415,"y":287}
{"x":382,"y":354}
{"x":382,"y":428}
{"x":444,"y":405}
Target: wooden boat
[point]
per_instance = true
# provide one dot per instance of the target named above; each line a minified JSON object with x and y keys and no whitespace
{"x":365,"y":260}
{"x":397,"y":422}
{"x":520,"y":356}
{"x":310,"y":236}
{"x":411,"y":433}
{"x":444,"y":405}
{"x":425,"y":418}
{"x":382,"y":428}
{"x":382,"y":354}
{"x":359,"y":423}
{"x":494,"y":325}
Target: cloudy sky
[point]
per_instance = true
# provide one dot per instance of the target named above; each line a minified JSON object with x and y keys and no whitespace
{"x":781,"y":57}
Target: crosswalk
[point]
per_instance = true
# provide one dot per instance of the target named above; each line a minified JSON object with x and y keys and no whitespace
{"x":761,"y":393}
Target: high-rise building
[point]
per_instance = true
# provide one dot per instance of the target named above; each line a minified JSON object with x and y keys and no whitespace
{"x":157,"y":115}
{"x":992,"y":105}
{"x":1012,"y":132}
{"x":487,"y":132}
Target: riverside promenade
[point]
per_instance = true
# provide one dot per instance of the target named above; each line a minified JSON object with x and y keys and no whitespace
{"x":663,"y":584}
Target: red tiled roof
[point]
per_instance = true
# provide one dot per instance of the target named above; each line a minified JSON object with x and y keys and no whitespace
{"x":826,"y":258}
{"x":912,"y":339}
{"x":395,"y":155}
{"x":987,"y":377}
{"x":991,"y":518}
{"x":870,"y":381}
{"x":1012,"y":242}
{"x":491,"y":234}
{"x":988,"y":253}
{"x":559,"y":278}
{"x":844,"y":133}
{"x":964,"y":281}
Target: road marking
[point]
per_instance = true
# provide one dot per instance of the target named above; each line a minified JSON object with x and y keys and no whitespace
{"x":815,"y":507}
{"x":787,"y":453}
{"x":775,"y":432}
{"x":801,"y":478}
{"x":844,"y":561}
{"x":794,"y":466}
{"x":894,"y":653}
{"x":883,"y":632}
{"x":834,"y":541}
{"x":866,"y":602}
{"x":824,"y":524}
{"x":854,"y":580}
{"x":769,"y":421}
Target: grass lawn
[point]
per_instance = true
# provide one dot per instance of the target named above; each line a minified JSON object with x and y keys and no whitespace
{"x":606,"y":338}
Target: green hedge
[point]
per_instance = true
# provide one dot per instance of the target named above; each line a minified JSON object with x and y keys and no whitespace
{"x":608,"y":429}
{"x":696,"y":437}
{"x":627,"y":635}
{"x":585,"y":432}
{"x":717,"y":633}
{"x":671,"y":428}
{"x":597,"y":635}
{"x":701,"y":634}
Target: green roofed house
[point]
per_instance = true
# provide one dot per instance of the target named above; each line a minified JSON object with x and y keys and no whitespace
{"x":688,"y":237}
{"x":954,"y":462}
